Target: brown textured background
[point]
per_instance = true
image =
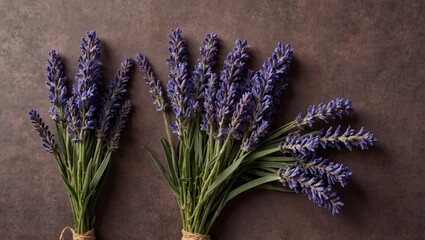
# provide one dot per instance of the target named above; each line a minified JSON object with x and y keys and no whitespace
{"x":371,"y":53}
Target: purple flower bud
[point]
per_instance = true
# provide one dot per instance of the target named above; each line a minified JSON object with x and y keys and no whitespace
{"x":56,"y":82}
{"x":110,"y":101}
{"x":177,"y":51}
{"x":314,"y":188}
{"x":227,"y":94}
{"x":209,"y":95}
{"x":180,"y":91}
{"x":298,"y":145}
{"x":88,"y":76}
{"x":324,"y":112}
{"x":74,"y":119}
{"x":241,"y":116}
{"x":255,"y":137}
{"x":266,"y":87}
{"x":180,"y":88}
{"x":295,"y":179}
{"x":324,"y":169}
{"x":43,"y":131}
{"x":349,"y":138}
{"x":203,"y":68}
{"x":119,"y":123}
{"x":154,"y":84}
{"x":281,"y":62}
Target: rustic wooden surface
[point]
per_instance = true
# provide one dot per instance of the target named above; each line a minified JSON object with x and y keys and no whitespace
{"x":371,"y":53}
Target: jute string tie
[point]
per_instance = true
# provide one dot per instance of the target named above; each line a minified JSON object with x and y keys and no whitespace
{"x":194,"y":236}
{"x":75,"y":236}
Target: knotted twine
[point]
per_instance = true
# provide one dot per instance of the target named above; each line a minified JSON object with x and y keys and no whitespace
{"x":194,"y":236}
{"x":75,"y":236}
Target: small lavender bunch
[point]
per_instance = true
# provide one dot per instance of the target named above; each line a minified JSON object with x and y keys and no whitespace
{"x":88,"y":127}
{"x":224,"y":128}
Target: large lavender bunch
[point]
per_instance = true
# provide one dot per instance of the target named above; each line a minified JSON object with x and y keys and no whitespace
{"x":223,"y":123}
{"x":88,"y":124}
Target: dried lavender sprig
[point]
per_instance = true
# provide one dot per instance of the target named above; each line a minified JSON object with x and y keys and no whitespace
{"x":43,"y":131}
{"x":349,"y":138}
{"x":205,"y":63}
{"x":280,"y":61}
{"x":241,"y":116}
{"x":325,"y":112}
{"x":110,"y":100}
{"x":322,"y":168}
{"x":298,"y":145}
{"x":227,"y":94}
{"x":209,"y":95}
{"x":255,"y":137}
{"x":177,"y":51}
{"x":266,"y":86}
{"x":119,"y":123}
{"x":56,"y":82}
{"x":314,"y":188}
{"x":87,"y":78}
{"x":180,"y":92}
{"x":154,"y":84}
{"x":180,"y":88}
{"x":74,"y":119}
{"x":334,"y":203}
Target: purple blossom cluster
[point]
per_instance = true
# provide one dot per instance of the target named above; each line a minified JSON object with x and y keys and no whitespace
{"x":237,"y":103}
{"x":86,"y":110}
{"x":349,"y":138}
{"x":154,"y":84}
{"x":313,"y":187}
{"x":43,"y":131}
{"x":266,"y":86}
{"x":110,"y":101}
{"x":227,"y":93}
{"x":325,"y":112}
{"x":203,"y":69}
{"x":298,"y":145}
{"x":314,"y":176}
{"x":180,"y":87}
{"x":56,"y":84}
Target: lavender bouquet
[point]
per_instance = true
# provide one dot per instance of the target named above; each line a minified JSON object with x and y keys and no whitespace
{"x":88,"y":126}
{"x":223,"y":124}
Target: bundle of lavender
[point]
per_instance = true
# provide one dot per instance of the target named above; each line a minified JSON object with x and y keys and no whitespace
{"x":88,"y":127}
{"x":223,"y":124}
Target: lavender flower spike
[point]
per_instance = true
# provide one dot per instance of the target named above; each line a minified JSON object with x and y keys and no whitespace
{"x":87,"y":78}
{"x":266,"y":86}
{"x":120,"y":120}
{"x":154,"y":84}
{"x":324,"y":112}
{"x":322,"y":168}
{"x":314,"y":188}
{"x":74,"y":119}
{"x":297,"y":180}
{"x":177,"y":51}
{"x":240,"y":117}
{"x":43,"y":131}
{"x":110,"y":100}
{"x":180,"y":87}
{"x":297,"y":145}
{"x":227,"y":95}
{"x":203,"y":68}
{"x":208,"y":118}
{"x":56,"y":83}
{"x":280,"y":62}
{"x":349,"y":138}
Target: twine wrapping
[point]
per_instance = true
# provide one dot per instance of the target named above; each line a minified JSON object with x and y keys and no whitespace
{"x":194,"y":236}
{"x":89,"y":235}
